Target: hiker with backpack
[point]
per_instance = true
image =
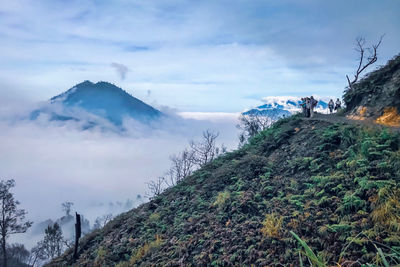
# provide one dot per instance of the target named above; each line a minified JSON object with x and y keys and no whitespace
{"x":331,"y":105}
{"x":338,"y":105}
{"x":313,"y":104}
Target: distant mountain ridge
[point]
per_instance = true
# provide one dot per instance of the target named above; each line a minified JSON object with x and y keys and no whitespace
{"x":277,"y":107}
{"x":96,"y":103}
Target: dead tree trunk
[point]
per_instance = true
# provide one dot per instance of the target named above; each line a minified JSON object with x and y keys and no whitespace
{"x":78,"y":233}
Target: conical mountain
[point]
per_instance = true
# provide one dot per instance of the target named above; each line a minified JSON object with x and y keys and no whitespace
{"x":101,"y":99}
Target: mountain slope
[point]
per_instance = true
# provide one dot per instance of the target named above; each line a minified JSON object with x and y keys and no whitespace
{"x":335,"y":185}
{"x":377,"y":95}
{"x":87,"y":100}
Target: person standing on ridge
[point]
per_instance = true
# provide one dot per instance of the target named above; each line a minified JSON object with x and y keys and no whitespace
{"x":308,"y":106}
{"x":338,"y":104}
{"x":331,"y":105}
{"x":303,"y":106}
{"x":313,"y":104}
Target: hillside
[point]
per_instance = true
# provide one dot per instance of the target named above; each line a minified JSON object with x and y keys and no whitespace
{"x":93,"y":102}
{"x":334,"y":185}
{"x":377,"y":95}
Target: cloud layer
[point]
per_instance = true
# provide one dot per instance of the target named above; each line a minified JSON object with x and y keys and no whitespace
{"x":55,"y":162}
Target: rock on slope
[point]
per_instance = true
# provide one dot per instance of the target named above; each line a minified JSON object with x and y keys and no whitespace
{"x":377,"y":95}
{"x":334,"y":185}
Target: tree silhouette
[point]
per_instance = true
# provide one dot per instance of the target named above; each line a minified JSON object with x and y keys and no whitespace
{"x":12,"y":218}
{"x":363,"y":62}
{"x":66,"y":206}
{"x":53,"y":241}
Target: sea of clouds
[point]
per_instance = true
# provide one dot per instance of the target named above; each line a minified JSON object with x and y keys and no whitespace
{"x":53,"y":162}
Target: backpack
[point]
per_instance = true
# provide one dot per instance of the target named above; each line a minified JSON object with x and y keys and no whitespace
{"x":314,"y":103}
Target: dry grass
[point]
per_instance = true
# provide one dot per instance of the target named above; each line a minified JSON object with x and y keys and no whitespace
{"x":387,"y":210}
{"x":272,"y":225}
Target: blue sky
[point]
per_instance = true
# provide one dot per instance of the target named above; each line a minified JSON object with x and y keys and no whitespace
{"x":220,"y":56}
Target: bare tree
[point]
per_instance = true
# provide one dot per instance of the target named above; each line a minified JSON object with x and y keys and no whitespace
{"x":155,"y":187}
{"x":182,"y":166}
{"x":66,"y":206}
{"x":251,"y":125}
{"x":100,"y":222}
{"x":364,"y":62}
{"x":205,"y":150}
{"x":12,"y":218}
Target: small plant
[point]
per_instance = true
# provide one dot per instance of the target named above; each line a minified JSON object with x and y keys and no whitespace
{"x":123,"y":264}
{"x":101,"y":255}
{"x":351,"y":203}
{"x":272,"y":225}
{"x":145,"y":249}
{"x":154,"y":217}
{"x":222,"y":197}
{"x":314,"y":259}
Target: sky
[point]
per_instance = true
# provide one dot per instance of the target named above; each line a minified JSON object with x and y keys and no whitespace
{"x":194,"y":56}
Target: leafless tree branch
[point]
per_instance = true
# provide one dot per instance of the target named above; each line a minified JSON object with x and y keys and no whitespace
{"x":371,"y":59}
{"x":155,"y":187}
{"x":251,"y":125}
{"x":205,"y":150}
{"x":182,"y":166}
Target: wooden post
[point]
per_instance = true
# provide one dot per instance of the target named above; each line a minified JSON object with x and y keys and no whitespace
{"x":77,"y":234}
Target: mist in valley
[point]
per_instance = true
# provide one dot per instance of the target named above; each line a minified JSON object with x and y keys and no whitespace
{"x":101,"y":171}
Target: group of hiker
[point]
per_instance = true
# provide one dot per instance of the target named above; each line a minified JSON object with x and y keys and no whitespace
{"x":309,"y":103}
{"x":337,"y":105}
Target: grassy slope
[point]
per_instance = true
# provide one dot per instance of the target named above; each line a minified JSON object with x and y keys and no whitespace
{"x":327,"y":183}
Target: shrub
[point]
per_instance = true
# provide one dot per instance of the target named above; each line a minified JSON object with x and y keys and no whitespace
{"x":145,"y":249}
{"x":101,"y":254}
{"x":222,"y":197}
{"x":351,"y":203}
{"x":272,"y":225}
{"x":154,"y":217}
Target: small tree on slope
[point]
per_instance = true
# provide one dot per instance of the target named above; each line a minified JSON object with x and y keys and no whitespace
{"x":12,"y":218}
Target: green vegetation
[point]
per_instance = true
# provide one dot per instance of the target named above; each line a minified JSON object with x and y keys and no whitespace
{"x":335,"y":185}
